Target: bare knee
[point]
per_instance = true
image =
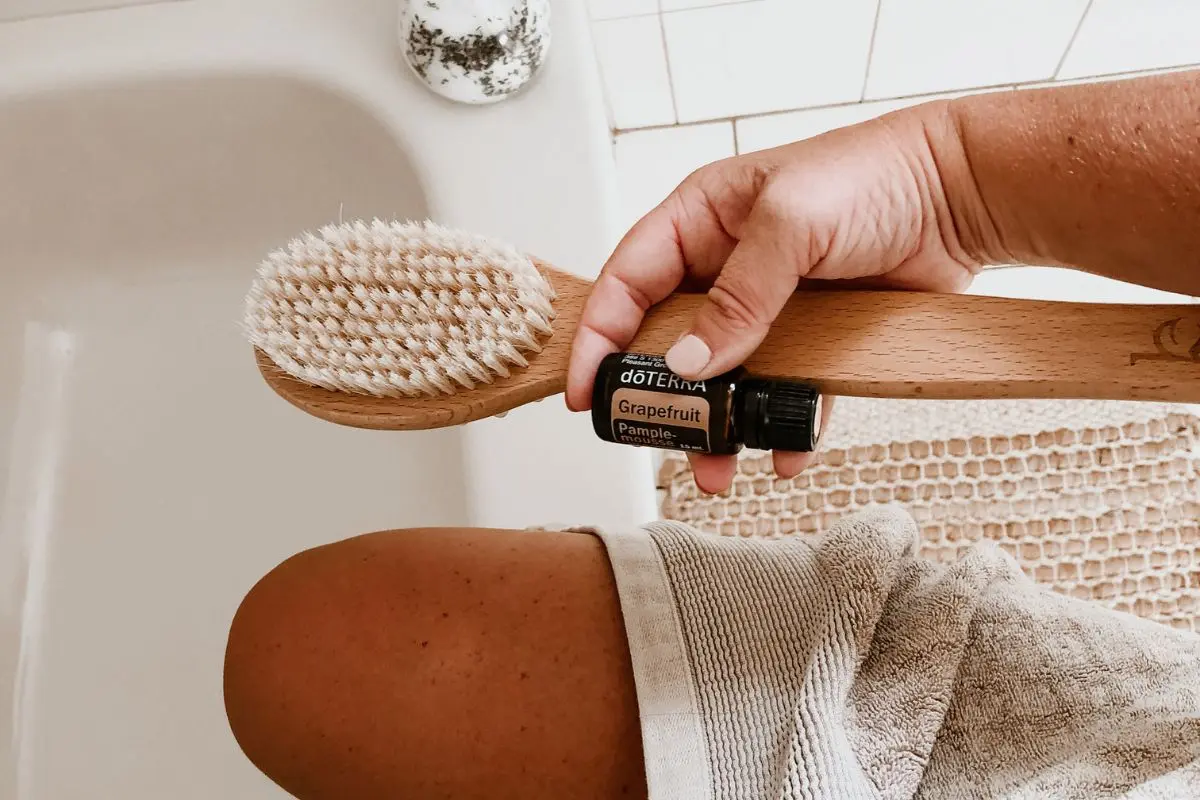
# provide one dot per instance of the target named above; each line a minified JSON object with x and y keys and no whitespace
{"x":292,"y":650}
{"x":431,"y":663}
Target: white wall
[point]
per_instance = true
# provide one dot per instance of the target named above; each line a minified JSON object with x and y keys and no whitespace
{"x":691,"y":81}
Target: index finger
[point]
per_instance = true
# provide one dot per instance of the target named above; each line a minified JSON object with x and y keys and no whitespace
{"x":646,"y":266}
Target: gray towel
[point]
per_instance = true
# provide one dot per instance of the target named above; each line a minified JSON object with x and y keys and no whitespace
{"x":845,"y":667}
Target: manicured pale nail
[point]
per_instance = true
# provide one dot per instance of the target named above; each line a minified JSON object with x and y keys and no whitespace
{"x":688,"y":356}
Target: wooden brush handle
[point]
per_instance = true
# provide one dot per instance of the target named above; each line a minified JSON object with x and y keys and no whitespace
{"x":867,"y":344}
{"x":917,"y":344}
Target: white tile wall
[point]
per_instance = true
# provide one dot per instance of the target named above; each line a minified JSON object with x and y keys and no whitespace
{"x":678,"y":5}
{"x":612,"y":9}
{"x":650,"y":164}
{"x":1127,"y":35}
{"x":771,"y":130}
{"x":924,"y":46}
{"x":750,"y":57}
{"x":776,"y":71}
{"x":763,"y":132}
{"x":633,"y":67}
{"x":1107,"y":77}
{"x":732,"y":59}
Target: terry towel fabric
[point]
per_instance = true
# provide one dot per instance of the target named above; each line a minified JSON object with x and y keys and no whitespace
{"x":844,"y":666}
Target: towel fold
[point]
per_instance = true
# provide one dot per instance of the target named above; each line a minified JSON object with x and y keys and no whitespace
{"x":845,"y":666}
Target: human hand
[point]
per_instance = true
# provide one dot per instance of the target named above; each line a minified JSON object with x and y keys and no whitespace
{"x":867,"y":205}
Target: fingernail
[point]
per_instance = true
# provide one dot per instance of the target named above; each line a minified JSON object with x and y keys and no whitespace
{"x":688,"y":356}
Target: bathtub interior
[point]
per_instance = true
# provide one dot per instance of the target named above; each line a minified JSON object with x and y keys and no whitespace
{"x":150,"y":476}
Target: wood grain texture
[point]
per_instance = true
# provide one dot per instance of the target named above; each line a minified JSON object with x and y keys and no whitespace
{"x":855,"y":343}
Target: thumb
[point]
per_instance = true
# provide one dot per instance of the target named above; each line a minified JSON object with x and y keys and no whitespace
{"x":760,"y":275}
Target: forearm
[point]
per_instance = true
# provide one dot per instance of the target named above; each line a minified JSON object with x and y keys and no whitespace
{"x":1099,"y":177}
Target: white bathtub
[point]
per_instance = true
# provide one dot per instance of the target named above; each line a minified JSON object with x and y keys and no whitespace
{"x":149,"y":156}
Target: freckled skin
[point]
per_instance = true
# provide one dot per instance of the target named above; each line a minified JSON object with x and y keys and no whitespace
{"x":438,"y":663}
{"x":1103,"y":178}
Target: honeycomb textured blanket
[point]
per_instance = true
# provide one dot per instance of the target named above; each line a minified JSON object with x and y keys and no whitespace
{"x":844,"y":665}
{"x":1095,"y":499}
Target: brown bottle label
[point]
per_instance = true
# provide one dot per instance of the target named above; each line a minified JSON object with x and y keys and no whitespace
{"x":659,"y":419}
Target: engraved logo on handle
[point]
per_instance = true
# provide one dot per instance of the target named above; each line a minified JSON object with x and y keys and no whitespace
{"x":1167,"y":345}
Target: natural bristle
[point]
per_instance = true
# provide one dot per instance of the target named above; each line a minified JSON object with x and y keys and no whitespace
{"x":398,"y":309}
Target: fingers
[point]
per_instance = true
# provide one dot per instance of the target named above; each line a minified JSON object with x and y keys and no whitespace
{"x":645,"y":267}
{"x":789,"y":465}
{"x":713,"y":474}
{"x":758,"y":278}
{"x":683,"y":237}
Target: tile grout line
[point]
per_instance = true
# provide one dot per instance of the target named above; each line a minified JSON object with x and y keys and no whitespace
{"x":778,"y":112}
{"x":1124,"y":73}
{"x":610,"y":114}
{"x":662,"y":32}
{"x":871,"y":50}
{"x":686,"y":9}
{"x":822,"y":107}
{"x":1071,"y":42}
{"x":663,"y":11}
{"x":636,"y":15}
{"x":737,"y":148}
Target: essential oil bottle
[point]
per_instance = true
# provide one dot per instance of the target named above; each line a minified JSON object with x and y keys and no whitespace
{"x":637,"y":400}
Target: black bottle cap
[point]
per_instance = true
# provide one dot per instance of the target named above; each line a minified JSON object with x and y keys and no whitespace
{"x":780,"y":415}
